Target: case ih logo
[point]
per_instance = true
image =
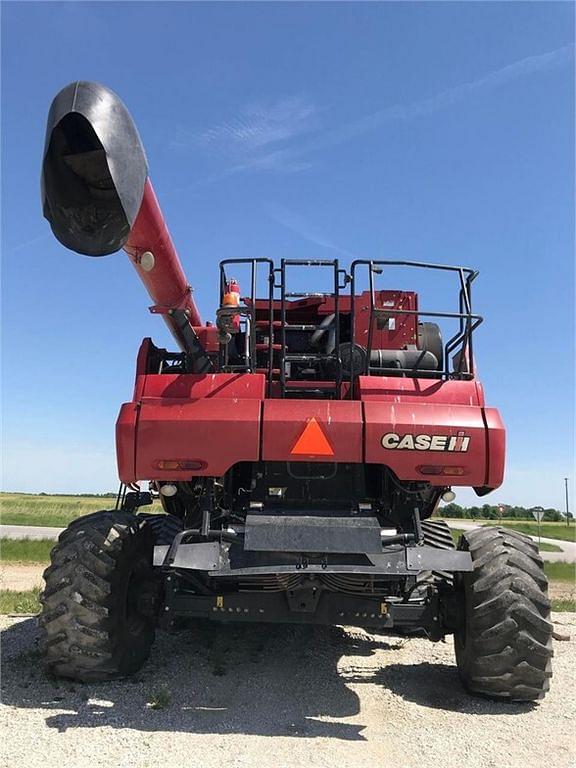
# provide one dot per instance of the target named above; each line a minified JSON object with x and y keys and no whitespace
{"x":458,"y":442}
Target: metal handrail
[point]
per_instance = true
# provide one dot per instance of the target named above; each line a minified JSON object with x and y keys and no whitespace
{"x":468,"y":322}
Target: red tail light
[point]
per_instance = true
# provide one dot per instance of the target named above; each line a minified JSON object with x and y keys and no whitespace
{"x":180,"y":465}
{"x":438,"y":469}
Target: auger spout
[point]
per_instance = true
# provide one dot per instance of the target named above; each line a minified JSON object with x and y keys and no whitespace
{"x":98,"y":198}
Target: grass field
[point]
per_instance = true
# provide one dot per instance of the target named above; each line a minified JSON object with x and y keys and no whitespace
{"x":25,"y":550}
{"x":57,"y":511}
{"x":561,"y":571}
{"x":544,"y":547}
{"x":547,"y":530}
{"x":19,"y":602}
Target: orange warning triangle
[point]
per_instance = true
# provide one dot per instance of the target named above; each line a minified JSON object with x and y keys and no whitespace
{"x":313,"y":441}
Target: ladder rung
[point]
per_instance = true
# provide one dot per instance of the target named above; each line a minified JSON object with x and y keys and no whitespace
{"x":310,"y":262}
{"x":295,"y":358}
{"x":266,"y":323}
{"x":265,"y":347}
{"x":306,"y":295}
{"x":301,"y":327}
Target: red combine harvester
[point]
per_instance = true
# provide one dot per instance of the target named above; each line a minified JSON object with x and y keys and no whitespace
{"x":299,"y":444}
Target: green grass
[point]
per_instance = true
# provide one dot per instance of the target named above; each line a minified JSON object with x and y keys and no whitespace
{"x":561,"y":571}
{"x":160,"y":698}
{"x":564,"y":604}
{"x":25,"y":550}
{"x":560,"y":531}
{"x":20,"y":602}
{"x":456,"y":533}
{"x":543,"y":546}
{"x":56,"y":511}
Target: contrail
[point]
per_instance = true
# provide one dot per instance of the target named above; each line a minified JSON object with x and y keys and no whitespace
{"x":428,"y":106}
{"x":297,"y":223}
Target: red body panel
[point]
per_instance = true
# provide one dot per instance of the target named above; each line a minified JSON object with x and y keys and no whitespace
{"x":496,"y":447}
{"x":427,"y":419}
{"x":195,"y":386}
{"x":220,"y":419}
{"x":215,"y":432}
{"x":395,"y":333}
{"x":393,"y":389}
{"x":285,"y":420}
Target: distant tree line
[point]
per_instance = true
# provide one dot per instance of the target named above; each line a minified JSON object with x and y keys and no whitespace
{"x":110,"y":495}
{"x":498,"y":511}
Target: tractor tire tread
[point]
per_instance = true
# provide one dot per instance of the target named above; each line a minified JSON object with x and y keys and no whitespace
{"x":505,"y":650}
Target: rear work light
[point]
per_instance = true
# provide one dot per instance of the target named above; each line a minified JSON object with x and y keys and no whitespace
{"x":180,"y":465}
{"x":438,"y":469}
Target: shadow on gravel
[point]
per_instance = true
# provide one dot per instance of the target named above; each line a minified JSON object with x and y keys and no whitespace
{"x":438,"y":686}
{"x":268,"y":680}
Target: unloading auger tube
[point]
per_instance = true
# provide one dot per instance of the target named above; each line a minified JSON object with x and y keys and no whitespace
{"x":98,"y":198}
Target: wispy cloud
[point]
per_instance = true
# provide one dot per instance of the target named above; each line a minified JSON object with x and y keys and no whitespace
{"x":292,"y":156}
{"x":280,"y":136}
{"x":251,"y":139}
{"x":446,"y":98}
{"x":28,"y":243}
{"x":301,"y":226}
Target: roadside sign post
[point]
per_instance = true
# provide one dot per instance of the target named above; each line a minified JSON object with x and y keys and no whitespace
{"x":538,"y":513}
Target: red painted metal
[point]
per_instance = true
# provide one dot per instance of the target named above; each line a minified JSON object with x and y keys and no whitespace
{"x":427,"y":419}
{"x":218,"y":432}
{"x":284,"y":421}
{"x":165,"y":281}
{"x":194,"y":386}
{"x":395,"y":332}
{"x":218,"y":420}
{"x":496,"y":449}
{"x":392,"y":389}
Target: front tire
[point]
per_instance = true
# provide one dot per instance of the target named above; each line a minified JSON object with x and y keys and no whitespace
{"x":98,"y":607}
{"x":504,"y":641}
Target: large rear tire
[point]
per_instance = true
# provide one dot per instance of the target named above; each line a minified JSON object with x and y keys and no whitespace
{"x":504,"y":642}
{"x":98,"y":607}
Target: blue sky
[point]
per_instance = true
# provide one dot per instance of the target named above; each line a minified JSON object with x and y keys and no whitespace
{"x":437,"y":132}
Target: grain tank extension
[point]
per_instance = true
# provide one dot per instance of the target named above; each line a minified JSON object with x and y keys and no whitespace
{"x":300,"y":442}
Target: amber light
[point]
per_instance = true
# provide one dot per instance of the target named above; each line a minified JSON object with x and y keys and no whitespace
{"x":437,"y":469}
{"x":180,"y":465}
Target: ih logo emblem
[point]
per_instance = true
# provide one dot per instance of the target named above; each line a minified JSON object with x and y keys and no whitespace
{"x":455,"y":443}
{"x":312,"y":441}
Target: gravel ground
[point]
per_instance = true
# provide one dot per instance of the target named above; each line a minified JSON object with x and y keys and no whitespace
{"x":275,"y":696}
{"x":20,"y":577}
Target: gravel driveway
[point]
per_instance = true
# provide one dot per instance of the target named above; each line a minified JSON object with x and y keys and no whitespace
{"x":278,"y":697}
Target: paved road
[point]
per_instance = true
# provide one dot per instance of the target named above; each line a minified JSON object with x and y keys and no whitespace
{"x":568,"y":548}
{"x":29,"y":532}
{"x":568,"y":553}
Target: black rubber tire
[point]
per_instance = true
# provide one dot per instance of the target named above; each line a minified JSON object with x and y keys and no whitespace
{"x":504,"y":642}
{"x":164,"y":527}
{"x":436,"y":533}
{"x":98,"y":607}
